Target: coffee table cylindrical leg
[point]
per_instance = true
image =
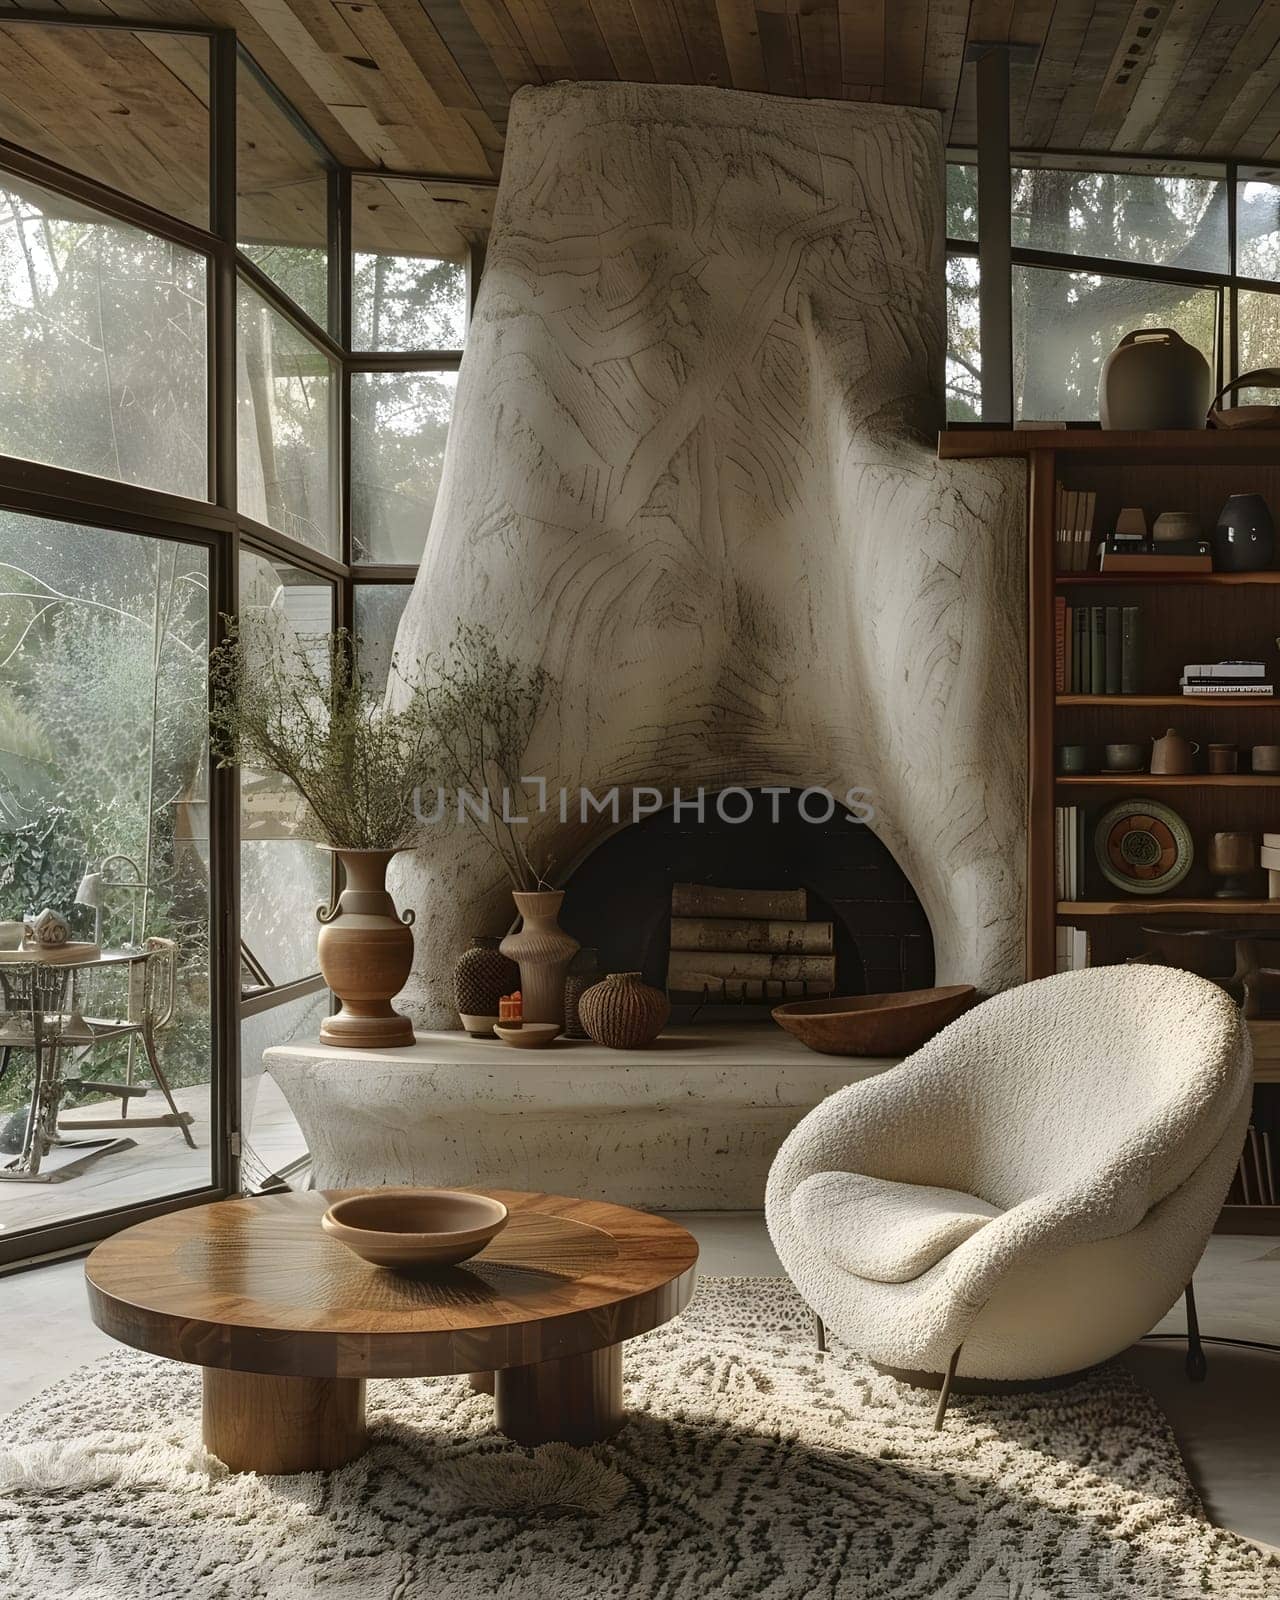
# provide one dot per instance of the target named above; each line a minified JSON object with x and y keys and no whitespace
{"x":258,"y":1423}
{"x":577,"y":1399}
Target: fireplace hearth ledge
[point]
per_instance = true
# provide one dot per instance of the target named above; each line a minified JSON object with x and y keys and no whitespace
{"x":692,"y":1123}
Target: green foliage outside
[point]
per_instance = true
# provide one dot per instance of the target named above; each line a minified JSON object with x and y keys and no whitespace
{"x":1066,"y":323}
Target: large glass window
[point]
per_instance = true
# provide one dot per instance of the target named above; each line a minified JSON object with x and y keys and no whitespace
{"x":399,"y":428}
{"x":286,"y":409}
{"x":103,"y":345}
{"x":282,"y":877}
{"x":110,"y":361}
{"x":1258,"y":228}
{"x":1165,"y":219}
{"x":104,"y":800}
{"x":282,"y":196}
{"x":130,"y":110}
{"x":378,"y":609}
{"x":409,"y":280}
{"x":1065,"y":324}
{"x":1168,"y":229}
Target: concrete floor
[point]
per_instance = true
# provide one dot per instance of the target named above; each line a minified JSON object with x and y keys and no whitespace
{"x":1228,"y":1426}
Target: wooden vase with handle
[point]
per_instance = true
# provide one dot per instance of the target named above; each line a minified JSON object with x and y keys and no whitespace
{"x":366,"y":953}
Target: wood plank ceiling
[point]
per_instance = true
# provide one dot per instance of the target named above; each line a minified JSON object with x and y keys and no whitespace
{"x":424,"y":85}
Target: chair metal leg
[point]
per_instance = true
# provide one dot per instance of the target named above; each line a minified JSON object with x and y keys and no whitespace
{"x":944,"y":1398}
{"x":1197,"y":1365}
{"x":153,"y":1058}
{"x":820,"y":1334}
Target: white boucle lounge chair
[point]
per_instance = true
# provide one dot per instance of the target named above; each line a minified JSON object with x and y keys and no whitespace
{"x":1030,"y":1192}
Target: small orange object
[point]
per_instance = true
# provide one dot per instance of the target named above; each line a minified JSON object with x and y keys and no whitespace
{"x":511,"y":1007}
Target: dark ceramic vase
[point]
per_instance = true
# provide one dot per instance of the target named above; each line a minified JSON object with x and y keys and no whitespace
{"x":481,"y":976}
{"x":1244,"y":539}
{"x":584,"y":970}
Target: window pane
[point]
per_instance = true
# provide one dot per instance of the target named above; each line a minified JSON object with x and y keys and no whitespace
{"x":1258,"y":230}
{"x":379,"y":607}
{"x":287,"y":458}
{"x":272,"y":1139}
{"x":962,"y":201}
{"x":103,"y":652}
{"x":1259,"y":332}
{"x":1066,"y":323}
{"x":411,"y":242}
{"x":103,"y":345}
{"x":399,"y":426}
{"x":282,"y":197}
{"x":1123,"y":216}
{"x":964,"y":358}
{"x":282,"y":878}
{"x":128,"y":109}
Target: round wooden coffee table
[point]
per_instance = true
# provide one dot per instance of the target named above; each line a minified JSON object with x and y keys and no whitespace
{"x":288,"y":1324}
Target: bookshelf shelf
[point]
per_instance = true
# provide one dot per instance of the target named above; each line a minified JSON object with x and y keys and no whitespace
{"x":1160,"y":905}
{"x":1148,"y":780}
{"x":1256,"y":702}
{"x":1182,"y":617}
{"x":1156,"y":580}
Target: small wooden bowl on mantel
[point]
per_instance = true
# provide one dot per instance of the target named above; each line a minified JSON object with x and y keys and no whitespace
{"x":413,"y":1230}
{"x":874,"y":1024}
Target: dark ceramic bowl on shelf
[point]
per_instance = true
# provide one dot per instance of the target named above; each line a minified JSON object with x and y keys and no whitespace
{"x":874,"y":1024}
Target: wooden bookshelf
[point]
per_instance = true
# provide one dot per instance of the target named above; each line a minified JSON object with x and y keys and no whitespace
{"x":1185,"y":617}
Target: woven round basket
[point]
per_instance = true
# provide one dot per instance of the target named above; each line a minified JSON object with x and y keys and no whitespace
{"x":623,"y":1012}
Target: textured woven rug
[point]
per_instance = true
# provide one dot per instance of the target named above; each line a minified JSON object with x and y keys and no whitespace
{"x":751,"y":1468}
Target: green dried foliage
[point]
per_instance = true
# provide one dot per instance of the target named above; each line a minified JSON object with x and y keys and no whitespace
{"x":483,"y":707}
{"x":299,"y":707}
{"x":460,"y":725}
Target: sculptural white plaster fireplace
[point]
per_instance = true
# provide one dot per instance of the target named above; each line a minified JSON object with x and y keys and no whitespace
{"x":691,"y":473}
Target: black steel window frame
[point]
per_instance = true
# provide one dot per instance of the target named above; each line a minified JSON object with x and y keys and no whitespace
{"x":1226,"y":284}
{"x":216,"y":524}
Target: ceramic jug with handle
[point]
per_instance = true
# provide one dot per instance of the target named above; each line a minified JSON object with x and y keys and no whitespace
{"x":1172,"y":755}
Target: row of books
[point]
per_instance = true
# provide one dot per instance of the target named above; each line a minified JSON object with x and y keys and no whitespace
{"x":1068,"y":851}
{"x":1209,"y":678}
{"x":1097,"y":649}
{"x":1073,"y":529}
{"x":1073,"y":949}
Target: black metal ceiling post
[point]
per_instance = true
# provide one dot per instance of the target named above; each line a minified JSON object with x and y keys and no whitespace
{"x":995,"y":233}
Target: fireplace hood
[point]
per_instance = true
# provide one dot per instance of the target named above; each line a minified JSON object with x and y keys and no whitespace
{"x":691,"y":471}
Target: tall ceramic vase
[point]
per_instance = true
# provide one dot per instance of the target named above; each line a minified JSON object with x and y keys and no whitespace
{"x":366,"y":952}
{"x":543,"y":951}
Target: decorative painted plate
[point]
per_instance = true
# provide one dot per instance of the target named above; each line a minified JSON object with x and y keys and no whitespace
{"x":1143,"y":847}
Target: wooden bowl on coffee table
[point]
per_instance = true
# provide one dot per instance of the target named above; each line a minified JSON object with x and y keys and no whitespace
{"x":415,"y":1229}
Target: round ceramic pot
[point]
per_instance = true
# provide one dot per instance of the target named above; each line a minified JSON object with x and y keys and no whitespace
{"x":482,"y":975}
{"x":366,"y":952}
{"x":623,"y":1012}
{"x":1244,"y":539}
{"x":1154,"y":379}
{"x":542,"y":950}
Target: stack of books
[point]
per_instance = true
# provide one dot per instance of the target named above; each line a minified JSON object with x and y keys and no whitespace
{"x":1097,"y":649}
{"x":1073,"y":949}
{"x":1073,"y":529}
{"x":1208,"y":678}
{"x":1068,"y":851}
{"x":1124,"y":552}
